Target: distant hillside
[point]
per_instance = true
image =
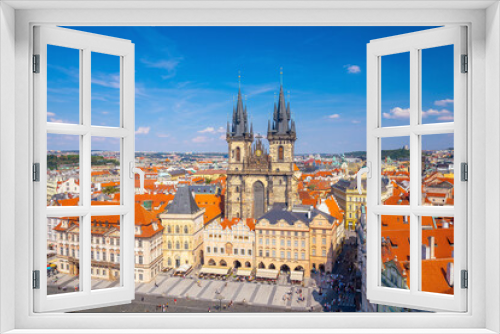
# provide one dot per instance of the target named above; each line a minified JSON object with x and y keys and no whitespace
{"x":394,"y":154}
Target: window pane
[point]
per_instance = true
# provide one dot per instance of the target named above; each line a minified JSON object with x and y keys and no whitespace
{"x":395,"y":251}
{"x":105,"y":90}
{"x":437,"y":84}
{"x":63,"y":255}
{"x":105,"y":242}
{"x":63,"y":85}
{"x":395,"y":90}
{"x":105,"y":176}
{"x":63,"y":170}
{"x":437,"y":254}
{"x":437,"y":170}
{"x":395,"y":169}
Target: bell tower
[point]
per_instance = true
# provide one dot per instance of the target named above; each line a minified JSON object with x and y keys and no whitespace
{"x":239,"y":139}
{"x":281,"y":136}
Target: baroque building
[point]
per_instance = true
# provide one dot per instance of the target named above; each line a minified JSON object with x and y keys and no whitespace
{"x":259,"y":178}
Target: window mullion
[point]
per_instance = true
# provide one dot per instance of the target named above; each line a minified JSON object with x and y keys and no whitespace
{"x":414,"y":167}
{"x":85,"y":170}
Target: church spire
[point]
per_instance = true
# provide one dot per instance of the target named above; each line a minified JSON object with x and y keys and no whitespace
{"x":240,"y":116}
{"x":282,"y":123}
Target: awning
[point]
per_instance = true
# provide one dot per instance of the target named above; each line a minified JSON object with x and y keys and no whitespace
{"x":214,"y":270}
{"x":297,"y":275}
{"x":183,"y":268}
{"x":244,"y":272}
{"x":267,"y":273}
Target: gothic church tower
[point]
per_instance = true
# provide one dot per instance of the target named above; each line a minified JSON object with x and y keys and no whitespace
{"x":258,"y":180}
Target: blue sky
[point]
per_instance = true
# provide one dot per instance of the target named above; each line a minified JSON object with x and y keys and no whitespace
{"x":187,"y":78}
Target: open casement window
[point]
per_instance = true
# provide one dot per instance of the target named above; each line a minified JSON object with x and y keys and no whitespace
{"x":420,"y":215}
{"x":92,"y":245}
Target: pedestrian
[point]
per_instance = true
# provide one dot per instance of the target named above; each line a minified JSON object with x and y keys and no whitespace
{"x":175,"y":301}
{"x":209,"y":309}
{"x":167,"y":305}
{"x":142,"y":299}
{"x":156,"y":285}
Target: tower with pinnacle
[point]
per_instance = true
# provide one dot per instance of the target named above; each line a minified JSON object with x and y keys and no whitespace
{"x":258,"y":179}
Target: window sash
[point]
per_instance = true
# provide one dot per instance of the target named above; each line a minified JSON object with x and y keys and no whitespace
{"x":413,"y":42}
{"x":86,"y":43}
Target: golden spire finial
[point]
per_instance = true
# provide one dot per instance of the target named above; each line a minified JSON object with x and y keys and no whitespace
{"x":281,"y":76}
{"x":239,"y":79}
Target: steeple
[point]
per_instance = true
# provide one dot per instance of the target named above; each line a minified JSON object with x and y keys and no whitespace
{"x":239,"y":128}
{"x":282,"y":123}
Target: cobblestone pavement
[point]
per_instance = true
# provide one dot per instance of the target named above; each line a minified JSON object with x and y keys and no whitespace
{"x":195,"y":295}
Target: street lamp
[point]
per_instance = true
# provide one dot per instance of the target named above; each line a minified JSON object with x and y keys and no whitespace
{"x":220,"y":297}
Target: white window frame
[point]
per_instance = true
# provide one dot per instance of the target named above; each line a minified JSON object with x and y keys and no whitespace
{"x":86,"y":44}
{"x":15,"y":39}
{"x":413,"y":43}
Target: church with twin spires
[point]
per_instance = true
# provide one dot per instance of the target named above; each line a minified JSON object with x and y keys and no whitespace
{"x":258,"y":178}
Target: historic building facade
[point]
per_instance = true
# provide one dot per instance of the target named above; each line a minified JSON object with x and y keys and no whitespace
{"x":230,"y":243}
{"x":105,"y":246}
{"x":257,"y":178}
{"x":183,"y":231}
{"x":298,"y":240}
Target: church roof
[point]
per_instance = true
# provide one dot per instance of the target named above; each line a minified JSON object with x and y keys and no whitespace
{"x":183,"y":202}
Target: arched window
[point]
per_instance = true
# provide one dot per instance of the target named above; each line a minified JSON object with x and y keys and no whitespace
{"x":169,"y":261}
{"x":238,"y":154}
{"x":237,"y":189}
{"x":177,"y":229}
{"x":169,"y":228}
{"x":208,"y":249}
{"x":177,"y":245}
{"x":169,"y":245}
{"x":185,"y":229}
{"x":281,"y":153}
{"x":186,"y":245}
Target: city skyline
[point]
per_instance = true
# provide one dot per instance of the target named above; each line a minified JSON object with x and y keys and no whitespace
{"x":187,"y":79}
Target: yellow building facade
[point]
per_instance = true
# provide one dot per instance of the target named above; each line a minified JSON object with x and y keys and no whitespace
{"x":182,"y":231}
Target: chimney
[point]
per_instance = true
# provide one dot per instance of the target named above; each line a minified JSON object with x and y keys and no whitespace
{"x":450,"y":272}
{"x":432,"y":246}
{"x":425,"y":252}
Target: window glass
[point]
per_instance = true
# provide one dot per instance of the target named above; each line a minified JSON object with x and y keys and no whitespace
{"x":63,"y":255}
{"x":107,"y":272}
{"x":63,"y":85}
{"x":395,"y":89}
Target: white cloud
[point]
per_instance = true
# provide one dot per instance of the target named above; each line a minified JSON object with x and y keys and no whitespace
{"x":400,"y":113}
{"x":223,"y":137}
{"x":200,"y":139}
{"x":168,"y":65}
{"x":446,"y":118}
{"x":162,"y":135}
{"x":352,"y":69}
{"x":142,"y":130}
{"x":334,"y":116}
{"x":443,"y":103}
{"x":50,"y":114}
{"x":355,"y":121}
{"x":221,"y":130}
{"x":443,"y":114}
{"x":164,"y":64}
{"x":209,"y":129}
{"x":397,"y":113}
{"x":107,"y":80}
